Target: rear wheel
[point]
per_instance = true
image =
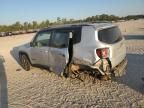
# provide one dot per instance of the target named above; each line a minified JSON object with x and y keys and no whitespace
{"x":24,"y":61}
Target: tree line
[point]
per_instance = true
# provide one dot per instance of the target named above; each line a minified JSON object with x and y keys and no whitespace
{"x":35,"y":25}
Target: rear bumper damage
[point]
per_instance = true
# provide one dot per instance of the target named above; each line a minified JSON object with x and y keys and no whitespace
{"x":104,"y":67}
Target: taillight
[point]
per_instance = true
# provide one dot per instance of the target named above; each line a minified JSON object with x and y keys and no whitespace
{"x":103,"y":53}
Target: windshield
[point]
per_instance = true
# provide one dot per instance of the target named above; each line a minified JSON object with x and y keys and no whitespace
{"x":110,"y":35}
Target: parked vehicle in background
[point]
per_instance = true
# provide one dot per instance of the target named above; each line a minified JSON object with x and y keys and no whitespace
{"x":69,"y":48}
{"x":22,"y":32}
{"x":15,"y":32}
{"x":2,"y":34}
{"x":30,"y":31}
{"x":8,"y":33}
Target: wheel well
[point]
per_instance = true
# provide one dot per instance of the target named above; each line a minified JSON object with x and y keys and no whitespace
{"x":23,"y":53}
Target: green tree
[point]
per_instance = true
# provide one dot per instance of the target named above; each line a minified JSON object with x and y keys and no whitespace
{"x":47,"y":23}
{"x":58,"y":20}
{"x":71,"y":21}
{"x":30,"y":26}
{"x":63,"y":20}
{"x":17,"y":26}
{"x":42,"y":24}
{"x":25,"y":26}
{"x":35,"y":24}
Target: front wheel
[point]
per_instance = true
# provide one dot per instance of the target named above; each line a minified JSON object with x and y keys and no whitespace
{"x":24,"y":61}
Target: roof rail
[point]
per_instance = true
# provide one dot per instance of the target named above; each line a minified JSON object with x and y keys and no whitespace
{"x":101,"y":22}
{"x":78,"y":24}
{"x":67,"y":25}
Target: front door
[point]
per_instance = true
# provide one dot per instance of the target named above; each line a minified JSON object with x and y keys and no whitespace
{"x":39,"y":51}
{"x":58,"y":52}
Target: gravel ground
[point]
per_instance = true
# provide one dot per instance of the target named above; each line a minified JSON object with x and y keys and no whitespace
{"x":40,"y":88}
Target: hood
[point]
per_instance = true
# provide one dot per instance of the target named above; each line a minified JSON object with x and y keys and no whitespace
{"x":27,"y":45}
{"x":22,"y":47}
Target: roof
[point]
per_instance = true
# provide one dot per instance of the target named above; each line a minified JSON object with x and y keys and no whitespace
{"x":95,"y":25}
{"x":103,"y":25}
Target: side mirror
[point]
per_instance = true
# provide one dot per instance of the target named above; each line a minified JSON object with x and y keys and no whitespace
{"x":31,"y":44}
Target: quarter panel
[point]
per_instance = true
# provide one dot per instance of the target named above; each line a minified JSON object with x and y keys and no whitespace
{"x":85,"y":50}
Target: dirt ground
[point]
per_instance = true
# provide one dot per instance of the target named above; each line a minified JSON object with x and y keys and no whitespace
{"x":39,"y":88}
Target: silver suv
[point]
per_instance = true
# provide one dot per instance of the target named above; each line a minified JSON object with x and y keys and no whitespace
{"x":69,"y":48}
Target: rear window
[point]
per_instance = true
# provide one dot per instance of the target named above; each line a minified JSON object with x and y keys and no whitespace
{"x":110,"y":35}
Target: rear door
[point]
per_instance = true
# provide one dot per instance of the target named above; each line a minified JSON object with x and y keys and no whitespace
{"x":39,"y":51}
{"x":58,"y":53}
{"x":115,"y":42}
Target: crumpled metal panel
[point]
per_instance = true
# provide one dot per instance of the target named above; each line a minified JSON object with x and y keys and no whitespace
{"x":80,"y":61}
{"x":58,"y":59}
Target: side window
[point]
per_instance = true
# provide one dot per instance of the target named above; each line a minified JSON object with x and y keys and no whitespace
{"x":60,"y":39}
{"x":42,"y":39}
{"x":76,"y":35}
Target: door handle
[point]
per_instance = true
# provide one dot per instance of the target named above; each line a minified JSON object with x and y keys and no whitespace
{"x":62,"y":55}
{"x":46,"y":51}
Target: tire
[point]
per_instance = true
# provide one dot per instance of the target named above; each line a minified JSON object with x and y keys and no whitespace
{"x":24,"y":61}
{"x":66,"y":72}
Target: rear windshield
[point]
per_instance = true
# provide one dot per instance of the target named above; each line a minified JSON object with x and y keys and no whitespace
{"x":110,"y":35}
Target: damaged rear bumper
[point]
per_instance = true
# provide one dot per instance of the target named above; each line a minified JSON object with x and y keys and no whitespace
{"x":104,"y":67}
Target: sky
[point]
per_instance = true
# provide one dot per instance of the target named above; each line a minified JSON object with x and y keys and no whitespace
{"x":38,"y":10}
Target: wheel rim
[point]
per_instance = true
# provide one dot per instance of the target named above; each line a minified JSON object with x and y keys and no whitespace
{"x":24,"y":62}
